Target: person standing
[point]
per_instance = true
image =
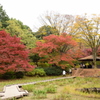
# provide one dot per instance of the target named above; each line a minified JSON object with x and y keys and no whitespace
{"x":64,"y":72}
{"x":70,"y":71}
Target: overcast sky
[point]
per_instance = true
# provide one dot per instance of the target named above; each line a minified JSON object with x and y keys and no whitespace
{"x":28,"y":11}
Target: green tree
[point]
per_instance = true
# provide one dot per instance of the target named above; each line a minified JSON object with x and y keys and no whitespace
{"x":28,"y":39}
{"x":16,"y":27}
{"x":45,"y":31}
{"x":3,"y":18}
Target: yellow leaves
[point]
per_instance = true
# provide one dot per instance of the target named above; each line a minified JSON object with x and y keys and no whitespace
{"x":43,"y":41}
{"x":76,"y":25}
{"x":78,"y":17}
{"x":0,"y":25}
{"x":99,"y":35}
{"x":48,"y":17}
{"x":14,"y":28}
{"x":88,"y":29}
{"x":44,"y":33}
{"x":95,"y":34}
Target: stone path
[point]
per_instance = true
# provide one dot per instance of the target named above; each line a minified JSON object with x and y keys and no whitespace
{"x":47,"y":80}
{"x":12,"y":91}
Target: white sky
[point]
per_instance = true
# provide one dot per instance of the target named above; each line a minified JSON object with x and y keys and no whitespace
{"x":28,"y":11}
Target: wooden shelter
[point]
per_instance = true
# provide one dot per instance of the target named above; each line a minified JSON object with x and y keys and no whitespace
{"x":89,"y":58}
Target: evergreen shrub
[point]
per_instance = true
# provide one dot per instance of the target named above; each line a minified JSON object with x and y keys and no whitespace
{"x":53,"y":71}
{"x":19,"y":74}
{"x":9,"y":75}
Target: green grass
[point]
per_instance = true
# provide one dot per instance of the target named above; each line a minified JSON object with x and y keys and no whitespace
{"x":39,"y":94}
{"x":62,"y":97}
{"x":67,"y":88}
{"x":23,"y":80}
{"x":54,"y":90}
{"x":51,"y":88}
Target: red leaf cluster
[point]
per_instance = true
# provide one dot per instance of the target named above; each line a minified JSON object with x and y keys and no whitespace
{"x":57,"y":49}
{"x":13,"y":54}
{"x":88,"y":51}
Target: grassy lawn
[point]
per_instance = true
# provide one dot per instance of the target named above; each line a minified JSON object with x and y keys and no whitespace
{"x":23,"y":80}
{"x":64,"y":89}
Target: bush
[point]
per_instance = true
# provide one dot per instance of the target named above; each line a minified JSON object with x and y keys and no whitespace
{"x":0,"y":75}
{"x":30,"y":73}
{"x":53,"y":71}
{"x":19,"y":74}
{"x":43,"y":64}
{"x":36,"y":72}
{"x":9,"y":75}
{"x":40,"y":72}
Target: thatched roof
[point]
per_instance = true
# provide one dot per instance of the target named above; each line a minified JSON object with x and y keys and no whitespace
{"x":89,"y":58}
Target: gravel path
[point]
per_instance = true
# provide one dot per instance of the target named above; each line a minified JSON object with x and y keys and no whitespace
{"x":47,"y":80}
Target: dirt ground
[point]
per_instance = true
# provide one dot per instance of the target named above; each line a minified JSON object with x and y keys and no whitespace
{"x":86,"y":72}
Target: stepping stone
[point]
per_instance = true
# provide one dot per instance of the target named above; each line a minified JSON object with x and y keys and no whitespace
{"x":13,"y":91}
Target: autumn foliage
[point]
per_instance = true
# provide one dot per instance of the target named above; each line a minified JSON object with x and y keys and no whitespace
{"x":13,"y":55}
{"x":88,"y":51}
{"x":57,"y":50}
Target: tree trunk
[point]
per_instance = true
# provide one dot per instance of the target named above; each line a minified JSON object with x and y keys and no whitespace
{"x":94,"y":58}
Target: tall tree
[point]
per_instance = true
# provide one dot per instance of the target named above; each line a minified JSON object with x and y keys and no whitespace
{"x":61,"y":22}
{"x":45,"y":31}
{"x":57,"y":50}
{"x":89,"y":31}
{"x":3,"y":17}
{"x":16,"y":27}
{"x":13,"y":54}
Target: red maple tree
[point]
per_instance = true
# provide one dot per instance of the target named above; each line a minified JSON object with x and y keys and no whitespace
{"x":57,"y":50}
{"x":13,"y":54}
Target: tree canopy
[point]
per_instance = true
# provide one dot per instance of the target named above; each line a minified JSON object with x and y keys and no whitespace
{"x":16,"y":27}
{"x":89,"y":31}
{"x":84,"y":29}
{"x":3,"y":18}
{"x":57,"y":50}
{"x":62,"y":22}
{"x":45,"y":31}
{"x":13,"y":54}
